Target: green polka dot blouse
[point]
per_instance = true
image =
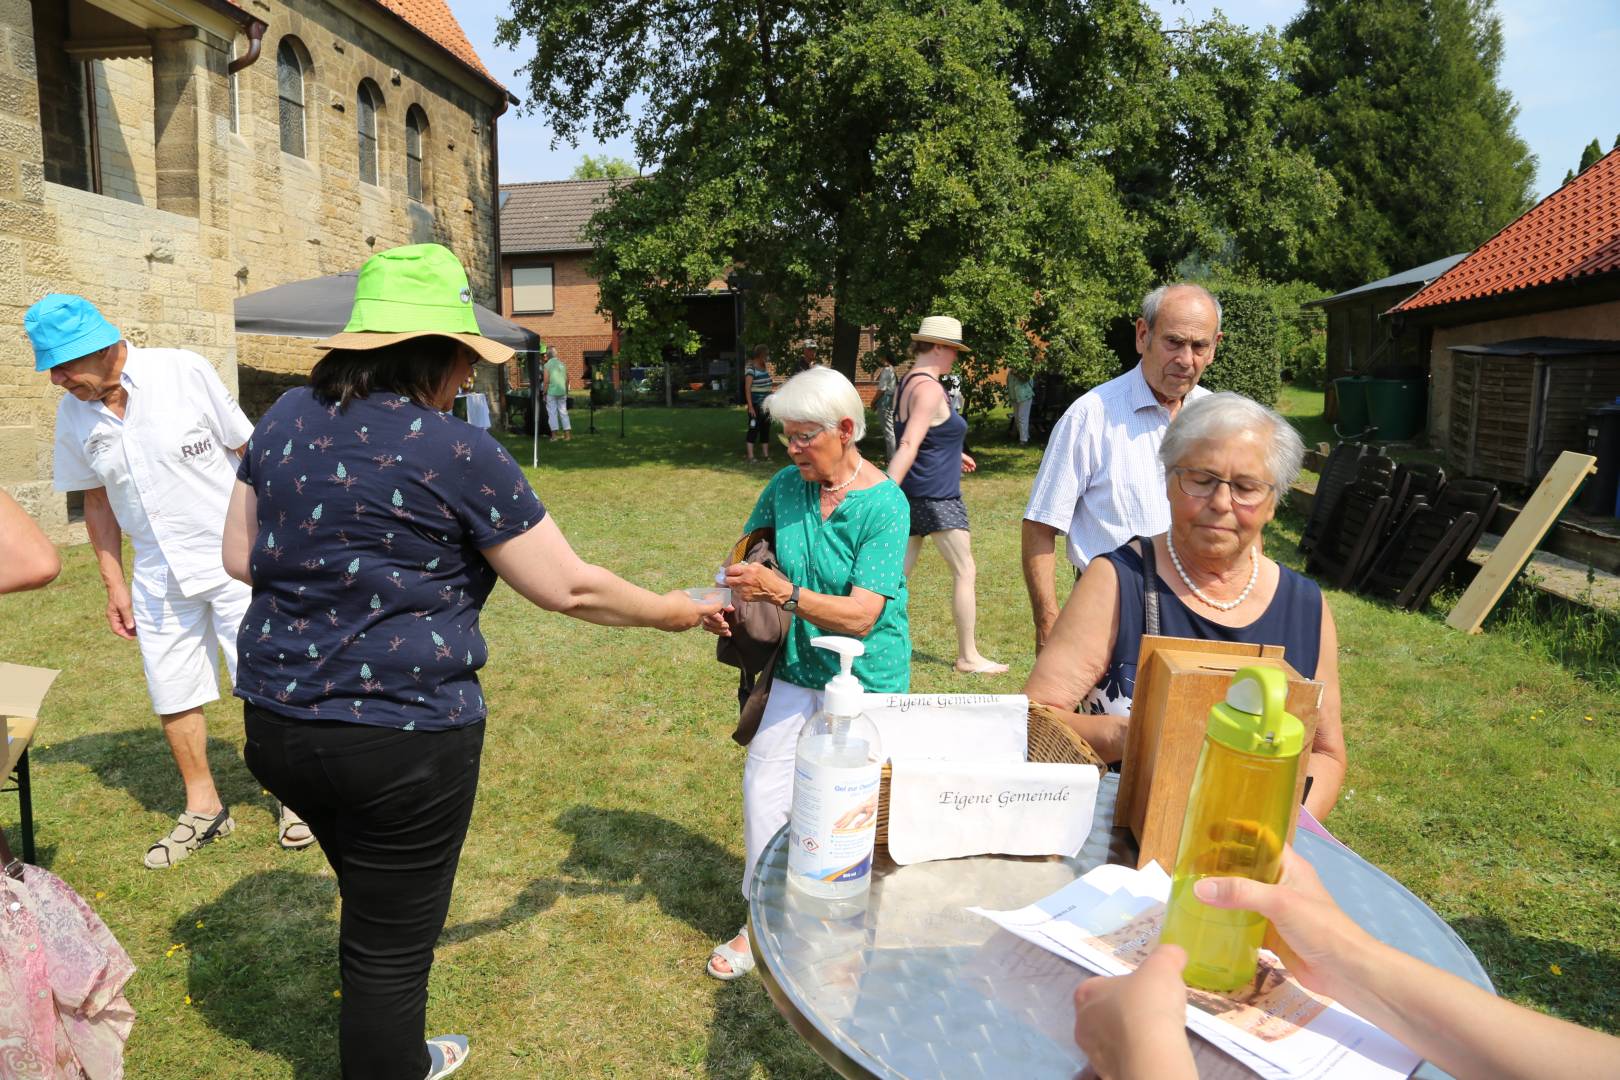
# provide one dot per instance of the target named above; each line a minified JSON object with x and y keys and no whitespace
{"x":862,"y":544}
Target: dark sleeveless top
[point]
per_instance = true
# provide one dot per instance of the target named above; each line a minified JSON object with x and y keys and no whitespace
{"x":1293,"y":620}
{"x":937,"y":472}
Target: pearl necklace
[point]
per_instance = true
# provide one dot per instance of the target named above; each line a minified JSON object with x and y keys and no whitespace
{"x":836,"y":488}
{"x":1218,"y":605}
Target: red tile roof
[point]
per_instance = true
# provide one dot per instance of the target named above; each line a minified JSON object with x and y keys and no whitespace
{"x":1572,"y":233}
{"x":433,"y":19}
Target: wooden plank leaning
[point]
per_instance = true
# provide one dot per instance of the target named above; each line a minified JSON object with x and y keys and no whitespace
{"x":1538,"y":515}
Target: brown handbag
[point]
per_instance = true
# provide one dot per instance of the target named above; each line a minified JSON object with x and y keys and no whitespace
{"x":758,"y":629}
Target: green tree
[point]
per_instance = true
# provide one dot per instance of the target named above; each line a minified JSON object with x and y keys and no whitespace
{"x":1399,"y":100}
{"x":906,"y":158}
{"x":1590,"y":156}
{"x":605,"y":167}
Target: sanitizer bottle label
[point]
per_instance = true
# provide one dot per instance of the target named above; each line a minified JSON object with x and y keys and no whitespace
{"x":834,"y":822}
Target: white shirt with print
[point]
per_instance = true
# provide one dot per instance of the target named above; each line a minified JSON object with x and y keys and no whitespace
{"x":167,"y":464}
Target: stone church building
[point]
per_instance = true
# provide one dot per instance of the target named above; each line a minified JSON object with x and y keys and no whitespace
{"x":163,"y":157}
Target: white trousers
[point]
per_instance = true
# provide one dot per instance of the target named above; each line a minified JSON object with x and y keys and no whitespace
{"x":1021,"y":411}
{"x":768,"y":773}
{"x":181,"y":638}
{"x":557,"y":413}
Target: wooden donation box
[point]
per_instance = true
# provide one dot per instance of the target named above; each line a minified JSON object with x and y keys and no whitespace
{"x":1177,"y":681}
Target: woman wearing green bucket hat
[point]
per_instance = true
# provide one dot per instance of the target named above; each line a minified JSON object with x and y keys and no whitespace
{"x":372,"y":526}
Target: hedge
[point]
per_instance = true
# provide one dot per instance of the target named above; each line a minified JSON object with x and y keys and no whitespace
{"x":1249,"y":359}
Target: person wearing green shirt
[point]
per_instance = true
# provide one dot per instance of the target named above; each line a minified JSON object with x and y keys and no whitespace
{"x":841,"y":528}
{"x":556,"y":376}
{"x":1021,"y":391}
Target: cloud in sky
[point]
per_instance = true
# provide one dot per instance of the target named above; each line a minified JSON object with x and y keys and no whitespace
{"x":1558,"y":64}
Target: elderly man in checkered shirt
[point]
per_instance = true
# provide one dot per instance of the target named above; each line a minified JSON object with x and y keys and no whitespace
{"x":1100,"y":480}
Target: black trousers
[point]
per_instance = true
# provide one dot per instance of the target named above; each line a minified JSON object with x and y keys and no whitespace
{"x":390,"y":809}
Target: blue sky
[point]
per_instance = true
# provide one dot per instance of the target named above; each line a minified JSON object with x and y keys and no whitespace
{"x":1559,"y":65}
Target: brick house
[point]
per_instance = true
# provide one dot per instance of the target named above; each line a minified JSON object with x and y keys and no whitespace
{"x":163,"y":157}
{"x":547,"y":287}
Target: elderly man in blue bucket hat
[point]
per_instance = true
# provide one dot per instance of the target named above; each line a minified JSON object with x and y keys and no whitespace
{"x":151,"y":437}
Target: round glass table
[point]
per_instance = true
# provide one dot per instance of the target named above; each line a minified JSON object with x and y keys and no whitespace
{"x":919,"y":988}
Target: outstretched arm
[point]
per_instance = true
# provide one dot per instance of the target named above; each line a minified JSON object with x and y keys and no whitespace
{"x":27,"y":559}
{"x":543,"y":568}
{"x":1463,"y":1029}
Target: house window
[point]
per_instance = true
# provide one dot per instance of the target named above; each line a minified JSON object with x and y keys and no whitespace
{"x":290,"y":87}
{"x":416,"y":127}
{"x":366,"y":117}
{"x":531,"y":290}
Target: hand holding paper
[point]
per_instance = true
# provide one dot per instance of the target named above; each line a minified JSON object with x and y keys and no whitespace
{"x":1133,"y":1025}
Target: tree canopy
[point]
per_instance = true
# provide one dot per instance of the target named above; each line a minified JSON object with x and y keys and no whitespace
{"x":1399,"y":100}
{"x":605,"y":167}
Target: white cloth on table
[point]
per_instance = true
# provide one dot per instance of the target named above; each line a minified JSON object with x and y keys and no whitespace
{"x":1100,"y":480}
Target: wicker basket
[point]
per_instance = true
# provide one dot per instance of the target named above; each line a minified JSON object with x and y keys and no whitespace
{"x":1050,"y":741}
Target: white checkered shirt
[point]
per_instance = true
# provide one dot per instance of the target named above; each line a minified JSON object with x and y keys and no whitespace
{"x":1100,"y":479}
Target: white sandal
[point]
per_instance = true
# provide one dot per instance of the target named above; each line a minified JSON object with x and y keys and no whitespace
{"x":446,"y":1054}
{"x":740,"y":960}
{"x":289,"y":823}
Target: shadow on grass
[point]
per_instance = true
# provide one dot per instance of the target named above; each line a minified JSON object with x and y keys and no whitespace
{"x":1585,"y":988}
{"x":693,"y":879}
{"x":263,"y":962}
{"x":138,"y":760}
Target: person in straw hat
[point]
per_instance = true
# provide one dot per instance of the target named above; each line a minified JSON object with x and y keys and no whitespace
{"x":372,"y":526}
{"x":928,"y":464}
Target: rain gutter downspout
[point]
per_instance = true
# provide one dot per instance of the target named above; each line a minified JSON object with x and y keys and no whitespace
{"x":255,"y":35}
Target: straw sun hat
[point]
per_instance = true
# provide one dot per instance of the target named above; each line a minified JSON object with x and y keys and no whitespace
{"x":941,"y":330}
{"x":419,"y":290}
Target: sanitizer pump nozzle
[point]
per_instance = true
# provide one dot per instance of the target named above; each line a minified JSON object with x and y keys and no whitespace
{"x":843,"y":691}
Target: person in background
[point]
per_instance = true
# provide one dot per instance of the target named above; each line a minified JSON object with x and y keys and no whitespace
{"x":1021,"y":392}
{"x":883,"y":404}
{"x":372,"y":526}
{"x":1100,"y":480}
{"x":1228,"y":461}
{"x":1134,"y":1026}
{"x":557,"y":397}
{"x":27,"y":559}
{"x":928,"y":464}
{"x":840,"y":541}
{"x":757,"y":384}
{"x":810,"y":355}
{"x":151,"y":437}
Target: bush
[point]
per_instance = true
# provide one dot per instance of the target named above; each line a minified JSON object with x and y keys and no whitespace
{"x":1249,"y":359}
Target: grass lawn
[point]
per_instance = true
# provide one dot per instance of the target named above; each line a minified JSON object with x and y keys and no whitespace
{"x":605,"y":851}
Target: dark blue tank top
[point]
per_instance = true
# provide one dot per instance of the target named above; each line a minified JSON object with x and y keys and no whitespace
{"x":937,"y":472}
{"x":1293,"y":620}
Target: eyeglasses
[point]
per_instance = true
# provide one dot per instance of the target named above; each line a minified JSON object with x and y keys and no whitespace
{"x":1246,"y":491}
{"x":803,"y":440}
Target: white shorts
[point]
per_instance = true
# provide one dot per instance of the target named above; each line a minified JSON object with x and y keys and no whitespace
{"x":180,"y":638}
{"x":768,"y":772}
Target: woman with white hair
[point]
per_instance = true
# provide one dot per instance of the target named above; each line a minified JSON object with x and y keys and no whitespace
{"x":1227,"y":462}
{"x":841,"y":528}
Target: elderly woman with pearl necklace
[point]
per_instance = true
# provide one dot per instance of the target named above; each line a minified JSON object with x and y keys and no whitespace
{"x":1227,"y":462}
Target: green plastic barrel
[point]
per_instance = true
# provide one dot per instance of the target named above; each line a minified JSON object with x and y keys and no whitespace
{"x":1352,"y":391}
{"x":1396,"y":408}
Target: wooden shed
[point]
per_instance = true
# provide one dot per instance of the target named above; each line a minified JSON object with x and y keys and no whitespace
{"x":1516,"y":405}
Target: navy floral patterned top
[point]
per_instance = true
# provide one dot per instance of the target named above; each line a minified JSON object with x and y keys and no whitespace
{"x":367,"y":571}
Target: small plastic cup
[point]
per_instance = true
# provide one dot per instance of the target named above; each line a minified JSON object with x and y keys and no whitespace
{"x":710,"y":594}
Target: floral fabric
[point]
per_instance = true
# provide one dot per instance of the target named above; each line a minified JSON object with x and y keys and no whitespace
{"x":63,"y":1013}
{"x":368,"y":574}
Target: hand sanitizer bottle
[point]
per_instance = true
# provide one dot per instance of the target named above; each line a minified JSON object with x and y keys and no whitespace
{"x":836,"y":773}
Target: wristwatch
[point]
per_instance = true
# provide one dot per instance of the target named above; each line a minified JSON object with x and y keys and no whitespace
{"x":792,"y":602}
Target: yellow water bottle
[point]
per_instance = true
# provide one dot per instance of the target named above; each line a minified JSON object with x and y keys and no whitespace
{"x":1237,"y":816}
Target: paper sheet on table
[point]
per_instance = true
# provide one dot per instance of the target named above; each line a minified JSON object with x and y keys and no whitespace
{"x":952,"y":727}
{"x":1108,"y":921}
{"x":952,"y":809}
{"x":22,"y":689}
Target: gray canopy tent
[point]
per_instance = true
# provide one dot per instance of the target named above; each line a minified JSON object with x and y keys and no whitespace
{"x":319,"y":307}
